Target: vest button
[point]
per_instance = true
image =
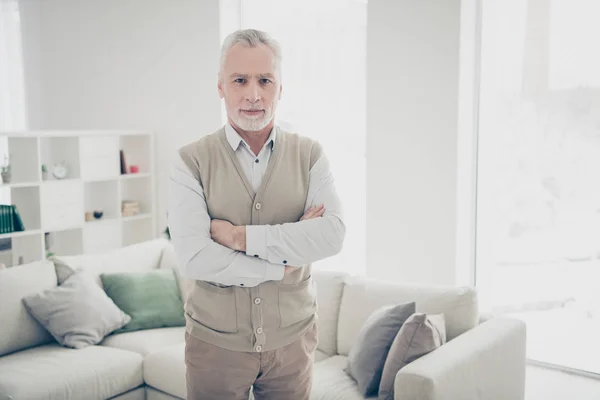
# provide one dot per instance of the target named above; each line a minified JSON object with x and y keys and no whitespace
{"x":258,"y":348}
{"x":257,"y":301}
{"x":259,"y":330}
{"x":258,"y":206}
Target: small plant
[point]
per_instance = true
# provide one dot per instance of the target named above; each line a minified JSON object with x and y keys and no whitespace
{"x":5,"y":170}
{"x":5,"y":167}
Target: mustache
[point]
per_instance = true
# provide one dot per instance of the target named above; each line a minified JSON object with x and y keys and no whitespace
{"x":252,"y":108}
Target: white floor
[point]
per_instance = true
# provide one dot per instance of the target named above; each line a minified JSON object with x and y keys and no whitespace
{"x":547,"y":384}
{"x":551,"y":333}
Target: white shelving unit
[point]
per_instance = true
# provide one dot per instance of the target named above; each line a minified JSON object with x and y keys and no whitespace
{"x":53,"y":210}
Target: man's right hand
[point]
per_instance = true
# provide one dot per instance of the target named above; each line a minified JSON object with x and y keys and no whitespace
{"x":313,"y":212}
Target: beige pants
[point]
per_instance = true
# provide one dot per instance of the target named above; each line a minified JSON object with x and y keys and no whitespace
{"x":220,"y":374}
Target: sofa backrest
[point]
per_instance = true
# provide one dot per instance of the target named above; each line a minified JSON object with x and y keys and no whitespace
{"x":18,"y":329}
{"x":169,"y":260}
{"x":138,"y":257}
{"x":329,"y":296}
{"x":362,"y":296}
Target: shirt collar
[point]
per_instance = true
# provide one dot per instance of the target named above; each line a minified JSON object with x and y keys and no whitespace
{"x":235,"y":139}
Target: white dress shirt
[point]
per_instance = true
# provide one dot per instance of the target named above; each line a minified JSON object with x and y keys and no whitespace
{"x":299,"y":243}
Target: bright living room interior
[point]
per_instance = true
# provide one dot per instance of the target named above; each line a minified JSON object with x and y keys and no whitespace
{"x":462,"y":135}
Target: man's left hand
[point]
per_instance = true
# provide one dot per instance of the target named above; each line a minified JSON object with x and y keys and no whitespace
{"x":228,"y":235}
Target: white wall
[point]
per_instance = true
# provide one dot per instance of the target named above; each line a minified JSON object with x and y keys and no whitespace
{"x":134,"y":64}
{"x":412,"y":125}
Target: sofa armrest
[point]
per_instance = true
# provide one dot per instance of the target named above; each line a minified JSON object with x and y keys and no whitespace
{"x":484,"y":363}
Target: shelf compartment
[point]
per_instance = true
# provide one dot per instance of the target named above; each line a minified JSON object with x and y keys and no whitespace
{"x":24,"y":160}
{"x":62,"y":205}
{"x":137,"y":150}
{"x":103,"y":196}
{"x":137,"y":230}
{"x":99,"y":157}
{"x":25,"y":249}
{"x":27,"y":200}
{"x":56,"y":150}
{"x":139,"y":190}
{"x":67,"y":242}
{"x":102,"y":236}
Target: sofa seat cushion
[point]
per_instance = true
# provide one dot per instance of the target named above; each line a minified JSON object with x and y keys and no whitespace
{"x":330,"y":382}
{"x":56,"y":372}
{"x":153,"y":394}
{"x":165,"y":370}
{"x":146,"y":341}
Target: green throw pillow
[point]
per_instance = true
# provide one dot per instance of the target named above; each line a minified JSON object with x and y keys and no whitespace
{"x":151,"y":298}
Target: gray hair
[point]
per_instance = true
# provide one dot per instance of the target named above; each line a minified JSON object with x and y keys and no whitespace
{"x":250,"y":38}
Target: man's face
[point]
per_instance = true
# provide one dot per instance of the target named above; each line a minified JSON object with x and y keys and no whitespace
{"x":250,"y":85}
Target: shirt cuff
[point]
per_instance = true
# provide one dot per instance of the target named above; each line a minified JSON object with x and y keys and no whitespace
{"x":273,"y":272}
{"x":256,"y":241}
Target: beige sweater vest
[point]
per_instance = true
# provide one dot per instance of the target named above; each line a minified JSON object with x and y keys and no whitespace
{"x":274,"y":313}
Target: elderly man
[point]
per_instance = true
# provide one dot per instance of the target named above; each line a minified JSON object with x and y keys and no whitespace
{"x":251,"y":207}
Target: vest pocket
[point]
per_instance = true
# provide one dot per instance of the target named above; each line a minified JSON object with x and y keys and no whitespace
{"x":297,"y":302}
{"x":214,"y":307}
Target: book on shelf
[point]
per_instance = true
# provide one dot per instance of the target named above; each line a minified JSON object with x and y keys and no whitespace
{"x":10,"y":220}
{"x":130,"y":208}
{"x":123,"y":162}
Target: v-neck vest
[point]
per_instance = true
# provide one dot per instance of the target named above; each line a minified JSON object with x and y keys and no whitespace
{"x":274,"y":313}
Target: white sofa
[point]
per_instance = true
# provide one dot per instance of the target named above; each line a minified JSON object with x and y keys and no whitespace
{"x":481,"y":361}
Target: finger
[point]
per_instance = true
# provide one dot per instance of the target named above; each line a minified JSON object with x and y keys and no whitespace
{"x":314,"y":209}
{"x":318,"y":212}
{"x":308,"y":214}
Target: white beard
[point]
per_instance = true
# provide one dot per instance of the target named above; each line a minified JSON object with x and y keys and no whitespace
{"x":252,"y":124}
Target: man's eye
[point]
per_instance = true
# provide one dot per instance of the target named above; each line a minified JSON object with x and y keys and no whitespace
{"x":240,"y":80}
{"x":265,"y":81}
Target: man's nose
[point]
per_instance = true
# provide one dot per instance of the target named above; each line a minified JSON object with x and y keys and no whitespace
{"x":253,"y":94}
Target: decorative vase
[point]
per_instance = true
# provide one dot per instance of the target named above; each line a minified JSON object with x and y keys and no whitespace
{"x":6,"y":176}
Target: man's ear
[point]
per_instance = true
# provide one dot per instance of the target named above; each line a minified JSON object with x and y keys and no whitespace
{"x":280,"y":90}
{"x":220,"y":87}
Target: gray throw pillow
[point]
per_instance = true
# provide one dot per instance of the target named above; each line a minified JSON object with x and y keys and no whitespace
{"x":367,"y":356}
{"x":77,"y":313}
{"x":420,"y":335}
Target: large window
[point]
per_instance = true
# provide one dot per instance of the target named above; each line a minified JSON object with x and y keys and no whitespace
{"x":12,"y":89}
{"x":324,"y":92}
{"x":538,"y":212}
{"x":12,"y":94}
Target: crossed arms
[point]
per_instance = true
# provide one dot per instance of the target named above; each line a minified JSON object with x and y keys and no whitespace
{"x":217,"y":251}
